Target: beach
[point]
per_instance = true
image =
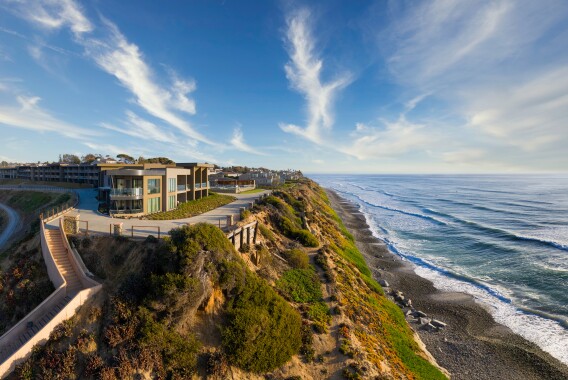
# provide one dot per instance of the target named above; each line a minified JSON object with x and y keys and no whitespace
{"x":472,"y":345}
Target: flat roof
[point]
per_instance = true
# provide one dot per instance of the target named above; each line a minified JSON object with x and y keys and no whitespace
{"x":194,"y":164}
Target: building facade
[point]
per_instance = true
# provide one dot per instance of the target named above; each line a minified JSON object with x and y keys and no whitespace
{"x":133,"y":189}
{"x":149,"y":188}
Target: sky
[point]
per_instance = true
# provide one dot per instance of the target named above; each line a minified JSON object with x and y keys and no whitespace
{"x":437,"y":86}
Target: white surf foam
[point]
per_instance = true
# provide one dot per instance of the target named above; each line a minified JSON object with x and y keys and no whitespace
{"x":548,"y":334}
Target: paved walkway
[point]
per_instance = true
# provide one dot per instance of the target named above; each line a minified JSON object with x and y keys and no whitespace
{"x":102,"y":224}
{"x":11,"y":224}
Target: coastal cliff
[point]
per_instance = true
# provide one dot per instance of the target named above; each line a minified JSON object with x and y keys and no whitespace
{"x":301,"y":303}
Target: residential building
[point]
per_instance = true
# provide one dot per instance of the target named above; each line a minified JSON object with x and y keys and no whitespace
{"x":229,"y":185}
{"x":262,"y":178}
{"x":127,"y":188}
{"x":149,"y":188}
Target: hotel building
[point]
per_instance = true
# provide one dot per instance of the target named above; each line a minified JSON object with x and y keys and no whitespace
{"x":134,"y":189}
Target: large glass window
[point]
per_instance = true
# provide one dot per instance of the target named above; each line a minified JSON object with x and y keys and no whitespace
{"x":154,"y":205}
{"x":153,"y":186}
{"x":172,"y":185}
{"x":172,"y":200}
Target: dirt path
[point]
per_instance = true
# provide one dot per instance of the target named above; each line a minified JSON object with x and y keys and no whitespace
{"x":12,"y":224}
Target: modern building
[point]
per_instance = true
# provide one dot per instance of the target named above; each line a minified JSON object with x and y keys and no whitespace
{"x":82,"y":173}
{"x":228,"y":185}
{"x":126,"y":188}
{"x":262,"y":178}
{"x":149,"y":188}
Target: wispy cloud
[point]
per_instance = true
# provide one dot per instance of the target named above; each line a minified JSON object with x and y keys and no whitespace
{"x":124,"y":60}
{"x":393,"y":139}
{"x":304,"y":72}
{"x":531,"y":114}
{"x":138,"y":127}
{"x":114,"y":54}
{"x":493,"y":65}
{"x":52,"y":14}
{"x":27,"y":114}
{"x":238,"y":141}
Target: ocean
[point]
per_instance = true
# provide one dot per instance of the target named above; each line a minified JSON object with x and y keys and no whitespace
{"x":501,"y":238}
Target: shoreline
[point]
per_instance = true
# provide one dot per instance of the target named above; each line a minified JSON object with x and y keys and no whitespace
{"x":472,"y":345}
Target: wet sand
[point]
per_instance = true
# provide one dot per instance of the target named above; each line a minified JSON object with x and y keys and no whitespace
{"x":472,"y":345}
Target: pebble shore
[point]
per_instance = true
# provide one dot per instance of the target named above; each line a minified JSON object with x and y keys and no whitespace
{"x":460,"y":333}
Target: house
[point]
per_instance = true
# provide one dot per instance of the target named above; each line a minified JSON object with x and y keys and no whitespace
{"x":138,"y":189}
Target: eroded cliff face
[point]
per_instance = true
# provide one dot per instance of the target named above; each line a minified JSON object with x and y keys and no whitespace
{"x":299,"y":304}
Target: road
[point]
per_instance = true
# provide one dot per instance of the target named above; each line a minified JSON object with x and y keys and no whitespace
{"x":12,"y":224}
{"x":103,"y":224}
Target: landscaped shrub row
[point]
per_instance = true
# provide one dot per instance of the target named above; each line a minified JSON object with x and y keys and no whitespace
{"x":193,"y":208}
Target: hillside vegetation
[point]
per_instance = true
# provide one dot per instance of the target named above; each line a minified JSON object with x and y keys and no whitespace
{"x":300,"y":304}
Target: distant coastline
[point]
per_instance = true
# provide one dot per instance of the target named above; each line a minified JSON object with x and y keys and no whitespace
{"x":473,"y":345}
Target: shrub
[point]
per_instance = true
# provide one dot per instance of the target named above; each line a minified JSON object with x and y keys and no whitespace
{"x":179,"y":352}
{"x":244,"y":214}
{"x":307,"y":348}
{"x":266,"y":232}
{"x":195,"y":207}
{"x":321,"y":316}
{"x":306,"y":238}
{"x":188,"y":240}
{"x":151,"y":239}
{"x":86,"y":243}
{"x":297,"y":258}
{"x":300,"y":285}
{"x":262,"y":330}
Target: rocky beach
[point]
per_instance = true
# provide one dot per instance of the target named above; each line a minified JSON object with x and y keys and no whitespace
{"x":468,"y":342}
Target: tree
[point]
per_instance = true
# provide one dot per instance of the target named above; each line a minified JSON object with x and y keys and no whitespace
{"x":125,"y":158}
{"x":159,"y":160}
{"x":3,"y":164}
{"x":140,"y":160}
{"x":90,"y":158}
{"x":69,"y":159}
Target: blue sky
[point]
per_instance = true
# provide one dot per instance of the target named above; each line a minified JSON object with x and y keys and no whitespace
{"x":435,"y":86}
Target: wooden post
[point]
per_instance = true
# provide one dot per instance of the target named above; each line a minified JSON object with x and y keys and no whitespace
{"x":158,"y":232}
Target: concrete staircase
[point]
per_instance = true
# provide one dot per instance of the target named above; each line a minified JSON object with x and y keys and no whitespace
{"x":57,"y":248}
{"x":10,"y":348}
{"x":37,"y":320}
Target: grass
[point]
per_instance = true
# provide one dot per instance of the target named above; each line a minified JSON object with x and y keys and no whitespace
{"x":67,"y":185}
{"x":193,"y":208}
{"x":28,"y":201}
{"x":252,"y":191}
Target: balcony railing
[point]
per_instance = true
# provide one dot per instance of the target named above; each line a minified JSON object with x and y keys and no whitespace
{"x":128,"y":211}
{"x":182,"y":187}
{"x":204,"y":185}
{"x":127,"y":192}
{"x":198,"y":186}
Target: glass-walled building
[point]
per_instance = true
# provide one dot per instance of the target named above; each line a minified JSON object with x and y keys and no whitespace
{"x":150,"y":188}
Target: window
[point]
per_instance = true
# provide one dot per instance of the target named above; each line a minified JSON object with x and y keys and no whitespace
{"x":153,"y":186}
{"x":172,"y":185}
{"x":172,"y":202}
{"x":153,"y":205}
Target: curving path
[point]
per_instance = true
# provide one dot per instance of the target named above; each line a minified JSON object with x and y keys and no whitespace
{"x":12,"y":224}
{"x":101,"y":224}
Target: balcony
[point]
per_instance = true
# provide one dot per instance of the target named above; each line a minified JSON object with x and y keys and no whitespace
{"x":126,"y":193}
{"x":128,"y":211}
{"x":182,"y":187}
{"x":198,"y":186}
